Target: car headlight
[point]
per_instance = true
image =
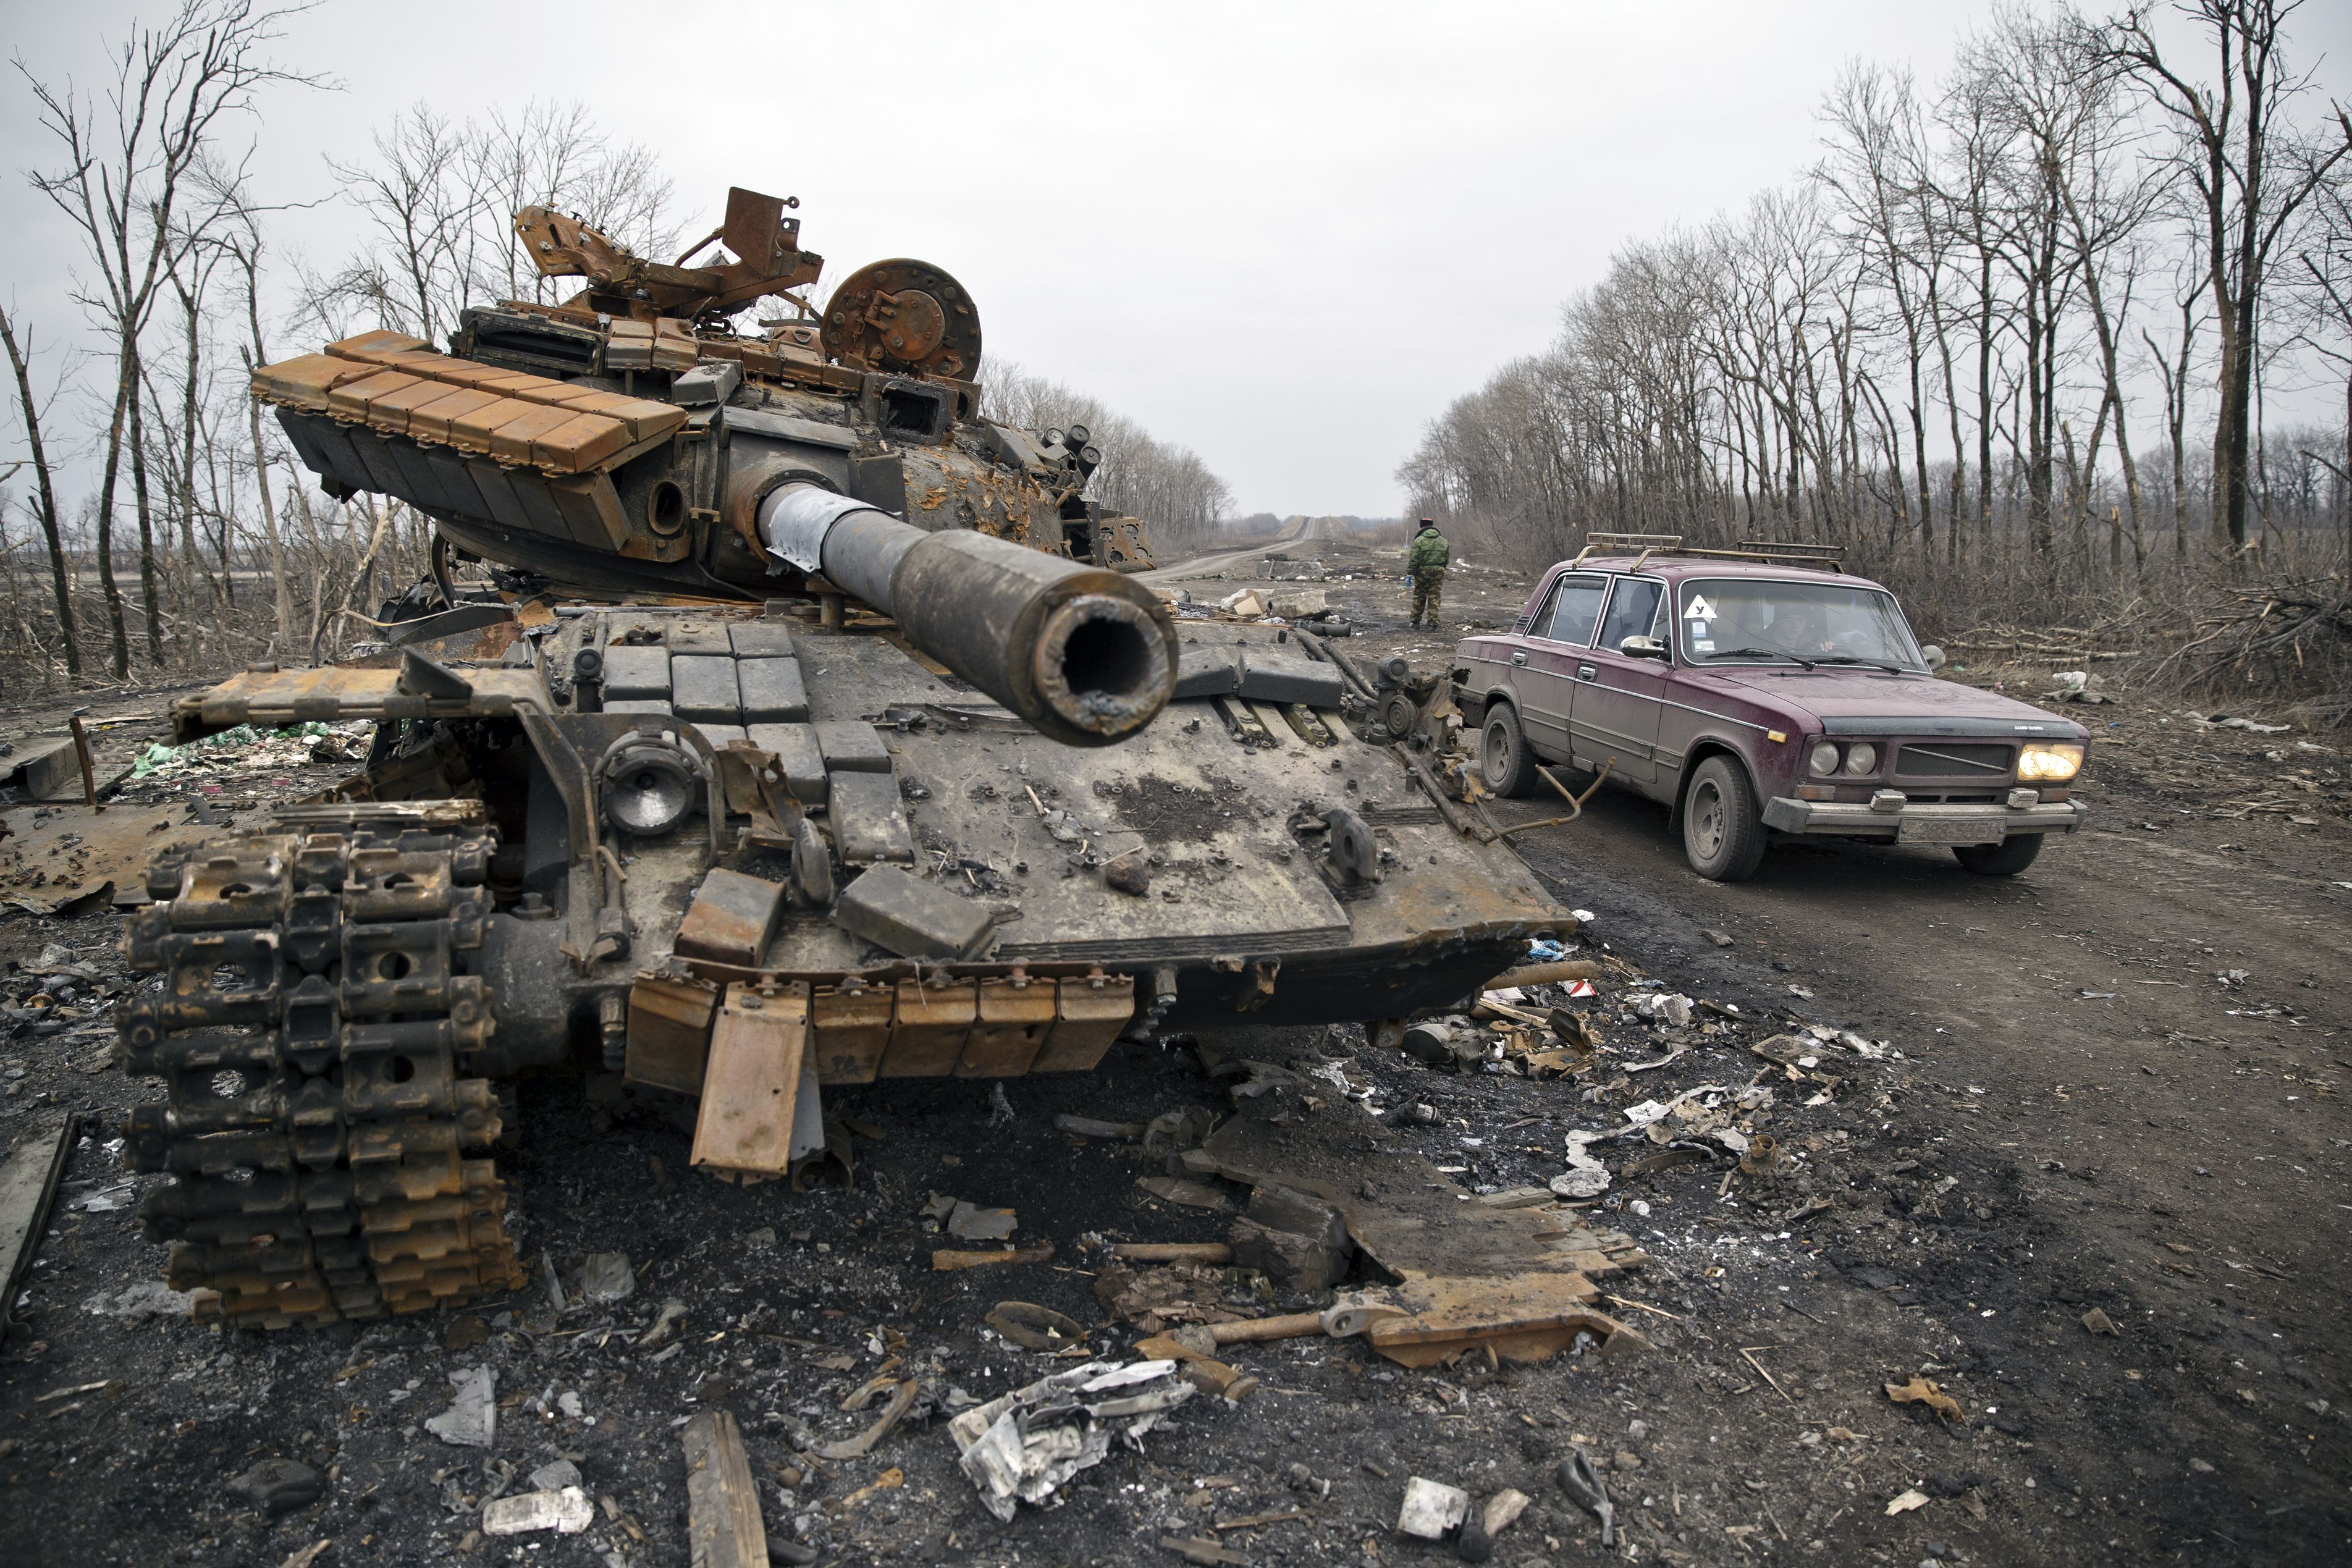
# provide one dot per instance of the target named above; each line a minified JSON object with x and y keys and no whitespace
{"x":2041,"y":760}
{"x":1823,"y":760}
{"x":1862,"y":759}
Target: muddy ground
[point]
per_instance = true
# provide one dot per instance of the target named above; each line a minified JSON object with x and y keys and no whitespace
{"x":2112,"y":1083}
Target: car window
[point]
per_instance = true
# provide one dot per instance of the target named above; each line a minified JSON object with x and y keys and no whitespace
{"x":1632,"y":610}
{"x":1758,"y":620}
{"x":1573,"y":610}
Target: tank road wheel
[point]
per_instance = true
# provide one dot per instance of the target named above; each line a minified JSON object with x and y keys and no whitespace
{"x":1723,"y":831}
{"x":309,"y":1030}
{"x":1504,"y":760}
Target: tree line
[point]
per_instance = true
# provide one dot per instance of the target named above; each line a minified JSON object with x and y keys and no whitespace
{"x":201,"y":541}
{"x":2009,"y":341}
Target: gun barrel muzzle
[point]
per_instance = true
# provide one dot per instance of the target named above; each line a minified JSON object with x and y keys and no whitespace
{"x":1086,"y":656}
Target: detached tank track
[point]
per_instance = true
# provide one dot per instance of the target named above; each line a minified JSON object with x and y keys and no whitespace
{"x":309,"y":1032}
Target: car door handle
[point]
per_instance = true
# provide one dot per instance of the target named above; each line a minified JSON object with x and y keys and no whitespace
{"x":1520,"y":657}
{"x":1587,"y":673}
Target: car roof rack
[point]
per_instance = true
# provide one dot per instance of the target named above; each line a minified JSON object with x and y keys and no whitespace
{"x":1648,"y":544}
{"x":1824,"y":557}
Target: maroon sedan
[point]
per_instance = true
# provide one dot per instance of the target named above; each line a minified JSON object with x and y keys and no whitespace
{"x":1763,"y":691}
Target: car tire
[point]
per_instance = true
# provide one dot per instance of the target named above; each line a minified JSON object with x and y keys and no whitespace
{"x":1723,"y":831}
{"x":1504,"y":760}
{"x":2006,"y":858}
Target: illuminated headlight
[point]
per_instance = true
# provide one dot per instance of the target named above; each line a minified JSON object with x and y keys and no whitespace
{"x":2040,"y":761}
{"x":1823,"y":760}
{"x":1862,"y":759}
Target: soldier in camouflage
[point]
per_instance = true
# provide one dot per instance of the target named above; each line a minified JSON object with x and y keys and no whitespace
{"x":1425,"y":560}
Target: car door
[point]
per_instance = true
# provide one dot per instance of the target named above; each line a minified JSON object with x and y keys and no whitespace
{"x":1560,"y":635}
{"x":1619,"y":697}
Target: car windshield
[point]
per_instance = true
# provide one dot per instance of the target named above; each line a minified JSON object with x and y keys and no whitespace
{"x":1756,"y":620}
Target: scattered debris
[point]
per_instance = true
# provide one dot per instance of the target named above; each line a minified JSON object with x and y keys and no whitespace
{"x":472,"y":1419}
{"x":1906,"y":1501}
{"x":903,"y":1395}
{"x":949,"y":1259}
{"x":605,"y":1277}
{"x":2098,"y":1322}
{"x":1432,"y":1511}
{"x":967,"y":1223}
{"x":1022,"y":1445}
{"x":1185,"y":1194}
{"x":1088,"y":1127}
{"x":1036,"y":1328}
{"x":567,"y":1511}
{"x":1921,"y":1391}
{"x":280,"y":1485}
{"x":28,"y":1185}
{"x":1585,"y":1489}
{"x":722,"y":1505}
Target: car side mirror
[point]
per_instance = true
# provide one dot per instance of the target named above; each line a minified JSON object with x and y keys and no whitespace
{"x":1642,"y":648}
{"x":1933,"y":656}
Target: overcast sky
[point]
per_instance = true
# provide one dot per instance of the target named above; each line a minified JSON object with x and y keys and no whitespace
{"x":1281,"y":235}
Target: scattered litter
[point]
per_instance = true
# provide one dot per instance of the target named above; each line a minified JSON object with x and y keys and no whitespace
{"x":1921,"y":1391}
{"x":605,"y":1277}
{"x":280,"y":1485}
{"x":566,"y":1512}
{"x":968,"y":1223}
{"x":1022,"y":1445}
{"x":147,"y":1298}
{"x":903,"y":1395}
{"x":1183,"y":1194}
{"x":2098,"y":1322}
{"x":1910,"y":1499}
{"x":1088,"y":1127}
{"x":1584,"y":1487}
{"x":723,"y":1503}
{"x":245,"y":751}
{"x":949,"y":1259}
{"x":1036,"y":1328}
{"x":1432,"y":1511}
{"x":472,"y":1419}
{"x":555,"y":1475}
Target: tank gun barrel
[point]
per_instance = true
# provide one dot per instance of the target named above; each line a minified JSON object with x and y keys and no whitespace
{"x":1086,"y":656}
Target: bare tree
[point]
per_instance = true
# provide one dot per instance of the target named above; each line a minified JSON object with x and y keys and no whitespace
{"x":44,"y":490}
{"x":2252,"y":169}
{"x":120,"y":182}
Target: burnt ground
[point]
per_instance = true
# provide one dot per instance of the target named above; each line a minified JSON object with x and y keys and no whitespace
{"x":2118,"y":1086}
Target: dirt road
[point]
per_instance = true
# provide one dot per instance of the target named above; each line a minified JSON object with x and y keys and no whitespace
{"x":2111,"y":1086}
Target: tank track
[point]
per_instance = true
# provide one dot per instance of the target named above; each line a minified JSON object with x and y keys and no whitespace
{"x":309,"y":1031}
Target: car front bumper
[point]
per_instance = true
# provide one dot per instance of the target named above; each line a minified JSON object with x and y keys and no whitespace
{"x":1923,"y":824}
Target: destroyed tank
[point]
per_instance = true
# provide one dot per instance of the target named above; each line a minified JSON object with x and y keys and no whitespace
{"x":811,"y":734}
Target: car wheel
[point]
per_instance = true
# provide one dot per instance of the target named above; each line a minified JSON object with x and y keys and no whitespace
{"x":2006,"y":858}
{"x":1504,"y":760}
{"x":1723,"y":832}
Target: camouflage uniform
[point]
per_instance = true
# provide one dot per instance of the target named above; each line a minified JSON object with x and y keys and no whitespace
{"x":1426,"y":560}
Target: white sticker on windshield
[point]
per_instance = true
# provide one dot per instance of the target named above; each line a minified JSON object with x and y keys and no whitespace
{"x":1698,"y":628}
{"x":1698,"y":609}
{"x":1699,"y":644}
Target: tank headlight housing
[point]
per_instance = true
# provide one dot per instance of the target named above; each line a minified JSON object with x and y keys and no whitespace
{"x":1861,"y":760}
{"x":2051,"y":761}
{"x":1822,"y":760}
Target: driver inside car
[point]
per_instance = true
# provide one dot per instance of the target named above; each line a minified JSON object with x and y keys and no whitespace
{"x":1803,"y":630}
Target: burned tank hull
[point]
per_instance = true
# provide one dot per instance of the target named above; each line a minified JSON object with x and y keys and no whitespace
{"x":835,"y":746}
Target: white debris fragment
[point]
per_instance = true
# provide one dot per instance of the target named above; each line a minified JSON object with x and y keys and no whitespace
{"x":472,"y":1419}
{"x":147,"y":1298}
{"x":566,"y":1512}
{"x":606,"y":1277}
{"x":1432,"y":1510}
{"x":1013,"y":1461}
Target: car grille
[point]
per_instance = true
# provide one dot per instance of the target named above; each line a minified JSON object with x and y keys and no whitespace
{"x":1955,"y":760}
